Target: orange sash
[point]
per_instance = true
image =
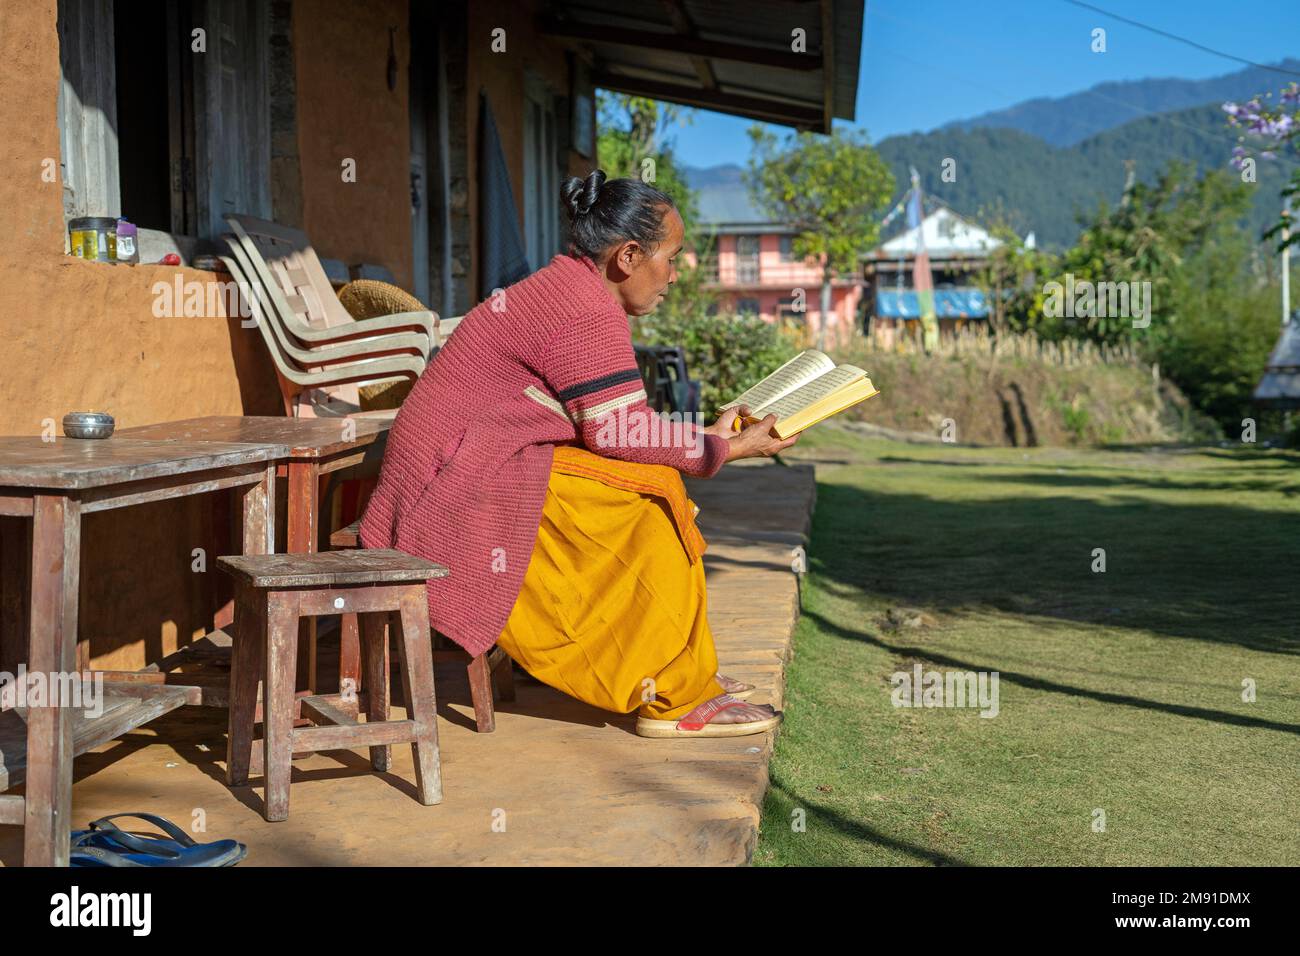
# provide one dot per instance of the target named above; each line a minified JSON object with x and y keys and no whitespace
{"x":660,"y":481}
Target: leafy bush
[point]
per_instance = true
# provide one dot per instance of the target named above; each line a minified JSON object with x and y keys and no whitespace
{"x":1212,"y":294}
{"x":727,"y":353}
{"x":1217,"y":353}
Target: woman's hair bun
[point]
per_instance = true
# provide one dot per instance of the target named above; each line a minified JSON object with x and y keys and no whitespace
{"x":581,"y":194}
{"x":604,"y":213}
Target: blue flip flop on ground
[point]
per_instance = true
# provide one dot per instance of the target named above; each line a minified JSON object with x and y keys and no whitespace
{"x":105,"y":844}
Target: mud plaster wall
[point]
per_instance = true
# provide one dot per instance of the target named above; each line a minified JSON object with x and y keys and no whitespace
{"x":83,"y":336}
{"x":346,"y":111}
{"x":501,"y":76}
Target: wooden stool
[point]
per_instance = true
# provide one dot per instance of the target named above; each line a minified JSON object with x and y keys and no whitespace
{"x":490,"y":674}
{"x":272,"y":592}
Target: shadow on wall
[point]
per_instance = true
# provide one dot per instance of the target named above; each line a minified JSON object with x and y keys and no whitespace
{"x":254,"y":371}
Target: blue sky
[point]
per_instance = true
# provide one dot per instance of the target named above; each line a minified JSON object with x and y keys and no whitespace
{"x":926,"y":62}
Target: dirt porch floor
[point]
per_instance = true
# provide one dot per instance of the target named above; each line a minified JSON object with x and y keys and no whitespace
{"x":557,"y":783}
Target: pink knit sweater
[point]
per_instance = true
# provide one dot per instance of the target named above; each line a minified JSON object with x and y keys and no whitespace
{"x":548,"y":361}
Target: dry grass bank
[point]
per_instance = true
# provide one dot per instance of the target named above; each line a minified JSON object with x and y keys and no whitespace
{"x":1017,"y":391}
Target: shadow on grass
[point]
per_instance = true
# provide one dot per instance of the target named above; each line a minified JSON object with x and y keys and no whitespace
{"x":1235,"y":453}
{"x":832,"y":819}
{"x":1244,"y":461}
{"x":1133,"y":481}
{"x":1063,"y":474}
{"x":1206,"y":571}
{"x":1037,"y":683}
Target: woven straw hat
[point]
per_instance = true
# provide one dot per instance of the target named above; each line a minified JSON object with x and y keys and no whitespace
{"x":371,"y":299}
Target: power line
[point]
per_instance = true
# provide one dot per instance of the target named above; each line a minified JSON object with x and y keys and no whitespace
{"x":1220,"y":134}
{"x":1174,"y":36}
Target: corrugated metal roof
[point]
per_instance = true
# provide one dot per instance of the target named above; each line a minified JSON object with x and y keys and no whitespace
{"x":1279,"y":390}
{"x":947,"y":235}
{"x":1280,"y":385}
{"x":728,"y":205}
{"x":733,"y":56}
{"x":727,"y":208}
{"x":1286,"y":354}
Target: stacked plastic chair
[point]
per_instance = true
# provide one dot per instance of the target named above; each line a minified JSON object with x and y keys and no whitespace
{"x":319,"y":350}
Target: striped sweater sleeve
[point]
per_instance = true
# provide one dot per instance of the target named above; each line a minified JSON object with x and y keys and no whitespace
{"x":592,"y":370}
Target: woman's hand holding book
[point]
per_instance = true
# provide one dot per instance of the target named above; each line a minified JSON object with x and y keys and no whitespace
{"x":753,"y":441}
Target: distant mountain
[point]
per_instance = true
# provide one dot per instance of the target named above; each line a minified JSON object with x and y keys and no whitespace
{"x":698,"y":177}
{"x":1017,"y":177}
{"x":1067,"y":120}
{"x":1034,"y":186}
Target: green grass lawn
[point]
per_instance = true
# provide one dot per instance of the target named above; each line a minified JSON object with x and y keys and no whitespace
{"x":1120,"y":691}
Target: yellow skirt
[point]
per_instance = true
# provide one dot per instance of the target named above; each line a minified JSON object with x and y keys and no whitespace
{"x":612,"y":609}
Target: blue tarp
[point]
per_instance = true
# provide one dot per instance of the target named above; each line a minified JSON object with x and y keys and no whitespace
{"x":948,"y":304}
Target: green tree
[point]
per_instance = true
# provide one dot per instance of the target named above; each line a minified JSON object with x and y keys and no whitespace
{"x":1180,"y":233}
{"x":725,"y":352}
{"x":1212,"y":321}
{"x":832,"y":189}
{"x":1013,"y":280}
{"x":634,"y":140}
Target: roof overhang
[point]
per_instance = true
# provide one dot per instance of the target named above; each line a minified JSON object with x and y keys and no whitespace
{"x":1280,"y":385}
{"x":1279,"y":389}
{"x":733,"y":56}
{"x":748,"y":229}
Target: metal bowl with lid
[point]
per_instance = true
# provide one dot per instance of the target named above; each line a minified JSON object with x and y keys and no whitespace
{"x":88,"y":424}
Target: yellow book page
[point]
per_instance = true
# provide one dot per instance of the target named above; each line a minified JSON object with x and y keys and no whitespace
{"x":814,"y":391}
{"x":799,"y":371}
{"x":832,"y":404}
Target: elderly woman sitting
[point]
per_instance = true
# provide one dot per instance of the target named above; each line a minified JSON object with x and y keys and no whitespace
{"x":527,"y":460}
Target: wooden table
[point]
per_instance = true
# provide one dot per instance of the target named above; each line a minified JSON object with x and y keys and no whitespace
{"x":317,"y":447}
{"x":55,"y":483}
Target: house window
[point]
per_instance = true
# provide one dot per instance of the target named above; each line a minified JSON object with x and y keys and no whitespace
{"x":746,"y":259}
{"x":747,"y":306}
{"x":541,"y":173}
{"x":152,"y":129}
{"x":787,"y":248}
{"x":787,"y":316}
{"x":708,"y":264}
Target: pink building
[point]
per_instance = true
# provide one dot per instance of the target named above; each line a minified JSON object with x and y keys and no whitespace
{"x":750,"y":263}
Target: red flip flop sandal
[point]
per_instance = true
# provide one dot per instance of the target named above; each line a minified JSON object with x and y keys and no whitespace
{"x":698,"y":722}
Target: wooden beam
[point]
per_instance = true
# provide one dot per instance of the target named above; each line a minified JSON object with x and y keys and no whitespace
{"x":13,"y":810}
{"x":804,"y":117}
{"x":676,"y":43}
{"x":681,"y":22}
{"x":828,"y":65}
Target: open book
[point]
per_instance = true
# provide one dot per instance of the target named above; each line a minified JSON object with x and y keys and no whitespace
{"x":803,"y":391}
